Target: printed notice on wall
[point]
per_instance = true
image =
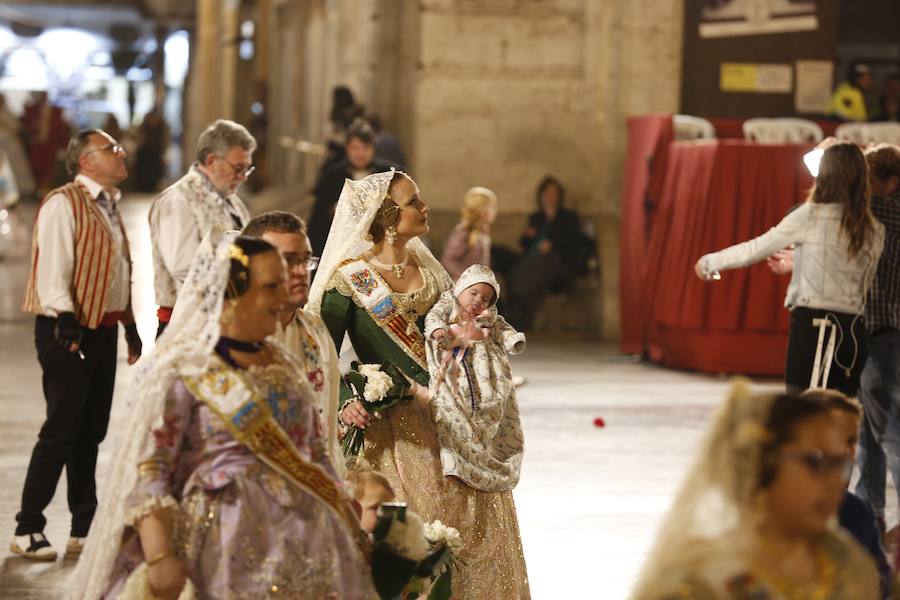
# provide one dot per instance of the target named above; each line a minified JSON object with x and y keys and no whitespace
{"x":813,"y":91}
{"x":753,"y":77}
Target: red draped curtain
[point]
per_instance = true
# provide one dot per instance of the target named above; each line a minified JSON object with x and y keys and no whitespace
{"x":712,"y":194}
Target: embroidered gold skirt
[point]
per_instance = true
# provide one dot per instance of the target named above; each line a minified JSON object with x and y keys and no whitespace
{"x":402,"y":446}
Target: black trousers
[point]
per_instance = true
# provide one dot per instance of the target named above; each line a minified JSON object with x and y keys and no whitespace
{"x":530,"y":280}
{"x":79,"y":396}
{"x":851,"y":349}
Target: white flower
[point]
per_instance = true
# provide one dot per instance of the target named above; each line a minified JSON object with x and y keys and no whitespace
{"x":367,"y":370}
{"x":438,"y":533}
{"x":377,"y":382}
{"x":408,"y":539}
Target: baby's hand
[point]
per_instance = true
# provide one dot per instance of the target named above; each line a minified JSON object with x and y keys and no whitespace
{"x":438,"y":334}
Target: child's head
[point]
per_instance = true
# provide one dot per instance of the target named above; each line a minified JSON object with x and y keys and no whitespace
{"x":371,"y":490}
{"x":479,"y":208}
{"x":475,"y":298}
{"x":846,"y":411}
{"x":476,"y":290}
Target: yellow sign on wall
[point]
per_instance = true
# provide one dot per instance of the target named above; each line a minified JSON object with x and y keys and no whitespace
{"x":754,"y":77}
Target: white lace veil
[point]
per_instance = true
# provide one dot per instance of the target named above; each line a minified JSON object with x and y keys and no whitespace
{"x":184,"y":348}
{"x":715,"y":498}
{"x":356,"y":209}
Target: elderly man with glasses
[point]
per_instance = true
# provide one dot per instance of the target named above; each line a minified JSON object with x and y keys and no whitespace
{"x":79,"y":290}
{"x":204,"y":198}
{"x":304,"y":333}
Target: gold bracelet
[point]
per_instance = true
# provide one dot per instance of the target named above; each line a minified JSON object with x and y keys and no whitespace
{"x":159,"y":557}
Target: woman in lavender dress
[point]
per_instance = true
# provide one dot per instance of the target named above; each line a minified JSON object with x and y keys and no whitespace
{"x":222,"y":478}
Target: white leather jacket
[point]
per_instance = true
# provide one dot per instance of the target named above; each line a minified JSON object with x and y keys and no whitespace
{"x":824,"y":275}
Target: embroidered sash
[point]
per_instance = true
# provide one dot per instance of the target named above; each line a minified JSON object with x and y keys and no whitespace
{"x":248,"y":417}
{"x":372,"y":293}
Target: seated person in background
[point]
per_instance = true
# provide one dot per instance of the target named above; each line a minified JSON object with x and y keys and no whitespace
{"x":848,"y":102}
{"x":470,"y":241}
{"x":754,"y":517}
{"x":855,"y":515}
{"x":360,"y":162}
{"x":371,"y":490}
{"x":553,"y":247}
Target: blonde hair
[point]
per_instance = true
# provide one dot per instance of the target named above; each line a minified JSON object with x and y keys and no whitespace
{"x":365,"y":478}
{"x":476,"y":203}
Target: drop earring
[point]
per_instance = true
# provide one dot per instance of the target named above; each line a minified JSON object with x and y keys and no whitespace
{"x":230,"y":311}
{"x":390,"y":234}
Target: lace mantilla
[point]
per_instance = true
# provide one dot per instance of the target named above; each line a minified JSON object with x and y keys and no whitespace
{"x":354,"y":214}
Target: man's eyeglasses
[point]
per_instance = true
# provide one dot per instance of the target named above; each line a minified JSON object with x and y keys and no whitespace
{"x":293,"y":261}
{"x":111,"y":148}
{"x":239,"y":171}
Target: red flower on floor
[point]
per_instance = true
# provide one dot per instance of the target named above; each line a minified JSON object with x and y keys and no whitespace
{"x":599,"y":422}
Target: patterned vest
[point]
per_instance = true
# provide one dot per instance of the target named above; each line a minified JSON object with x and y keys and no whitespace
{"x":95,"y":257}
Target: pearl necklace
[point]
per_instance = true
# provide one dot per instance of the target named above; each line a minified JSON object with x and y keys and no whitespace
{"x":397,"y":268}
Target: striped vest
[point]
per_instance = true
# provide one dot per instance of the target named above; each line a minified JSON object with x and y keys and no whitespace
{"x":95,"y":257}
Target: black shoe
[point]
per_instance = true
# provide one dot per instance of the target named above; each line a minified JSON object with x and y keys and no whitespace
{"x":33,"y":546}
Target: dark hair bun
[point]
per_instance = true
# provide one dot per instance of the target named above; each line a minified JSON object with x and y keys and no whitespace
{"x":242,"y":249}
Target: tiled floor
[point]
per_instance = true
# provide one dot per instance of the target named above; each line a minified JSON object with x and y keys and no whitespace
{"x":589,"y":497}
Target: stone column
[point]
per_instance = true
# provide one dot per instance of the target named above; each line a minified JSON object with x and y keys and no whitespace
{"x":213,"y":67}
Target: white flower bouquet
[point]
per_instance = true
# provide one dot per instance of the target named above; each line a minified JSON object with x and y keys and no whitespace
{"x":377,"y":388}
{"x":411,"y":559}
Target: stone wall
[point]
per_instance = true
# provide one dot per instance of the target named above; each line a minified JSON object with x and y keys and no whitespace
{"x":485,"y":92}
{"x":511,"y":90}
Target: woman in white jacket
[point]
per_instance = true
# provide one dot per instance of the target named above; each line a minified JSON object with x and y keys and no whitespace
{"x":837,"y":244}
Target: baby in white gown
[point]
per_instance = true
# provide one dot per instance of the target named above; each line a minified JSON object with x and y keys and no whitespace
{"x":473,"y":397}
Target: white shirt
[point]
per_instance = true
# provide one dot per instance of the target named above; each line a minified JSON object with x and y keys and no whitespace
{"x":56,"y":255}
{"x":176,"y":233}
{"x":179,"y":239}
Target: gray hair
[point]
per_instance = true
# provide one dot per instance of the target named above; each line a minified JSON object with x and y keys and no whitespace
{"x":76,"y":148}
{"x":222,"y":135}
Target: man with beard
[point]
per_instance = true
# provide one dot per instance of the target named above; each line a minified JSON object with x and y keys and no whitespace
{"x":204,"y":198}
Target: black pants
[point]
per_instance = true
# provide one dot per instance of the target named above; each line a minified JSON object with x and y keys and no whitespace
{"x":79,"y":396}
{"x":850,"y":352}
{"x":530,"y":280}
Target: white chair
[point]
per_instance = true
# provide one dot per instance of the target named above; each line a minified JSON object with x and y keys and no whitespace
{"x":688,"y":127}
{"x":782,"y":131}
{"x":881,"y":133}
{"x":851,"y":132}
